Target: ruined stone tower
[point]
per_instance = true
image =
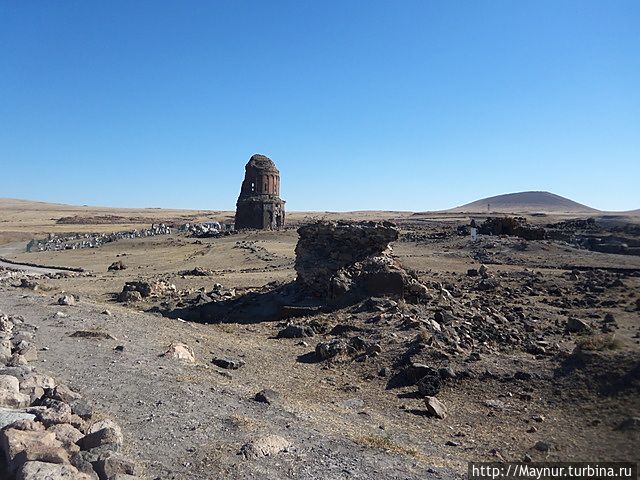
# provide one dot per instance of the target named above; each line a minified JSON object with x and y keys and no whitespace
{"x":259,"y":204}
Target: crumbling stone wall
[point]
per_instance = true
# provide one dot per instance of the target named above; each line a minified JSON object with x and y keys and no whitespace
{"x":343,"y":262}
{"x":259,"y":204}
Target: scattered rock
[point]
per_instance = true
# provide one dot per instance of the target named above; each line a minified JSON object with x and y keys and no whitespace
{"x":575,"y":325}
{"x":68,"y":300}
{"x":495,"y":404}
{"x":430,"y":384}
{"x":487,"y":284}
{"x":229,"y":363}
{"x":29,"y":284}
{"x":296,"y":331}
{"x":129,"y":296}
{"x":118,"y":265}
{"x":180,"y":351}
{"x":267,"y":396}
{"x":330,"y":349}
{"x":542,"y":446}
{"x":435,"y":407}
{"x":82,"y":408}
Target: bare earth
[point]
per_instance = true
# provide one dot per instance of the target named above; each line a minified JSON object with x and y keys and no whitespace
{"x":343,"y":418}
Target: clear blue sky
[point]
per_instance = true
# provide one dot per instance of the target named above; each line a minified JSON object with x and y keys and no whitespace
{"x":362,"y":104}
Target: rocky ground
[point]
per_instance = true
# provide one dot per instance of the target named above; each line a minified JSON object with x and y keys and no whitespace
{"x":531,"y":346}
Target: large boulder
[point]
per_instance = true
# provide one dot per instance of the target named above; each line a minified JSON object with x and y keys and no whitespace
{"x":49,"y":471}
{"x":20,"y":446}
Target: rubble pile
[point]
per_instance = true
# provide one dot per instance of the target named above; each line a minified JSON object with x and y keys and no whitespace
{"x":343,"y":262}
{"x":47,"y":430}
{"x":136,"y":290}
{"x":76,"y":241}
{"x":165,"y":292}
{"x":207,"y":229}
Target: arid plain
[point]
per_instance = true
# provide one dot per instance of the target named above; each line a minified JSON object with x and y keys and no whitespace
{"x":537,"y":353}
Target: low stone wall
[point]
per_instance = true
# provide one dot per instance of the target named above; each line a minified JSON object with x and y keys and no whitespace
{"x":76,"y":241}
{"x":47,"y":430}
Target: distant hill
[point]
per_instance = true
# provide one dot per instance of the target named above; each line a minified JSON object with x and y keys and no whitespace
{"x":525,"y":202}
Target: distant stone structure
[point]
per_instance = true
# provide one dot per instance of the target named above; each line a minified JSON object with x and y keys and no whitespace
{"x":259,"y":205}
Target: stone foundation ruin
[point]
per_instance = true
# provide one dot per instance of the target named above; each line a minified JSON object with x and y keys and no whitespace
{"x":343,"y":262}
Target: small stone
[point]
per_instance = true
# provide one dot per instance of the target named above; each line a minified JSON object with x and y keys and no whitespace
{"x":435,"y":407}
{"x":495,"y":404}
{"x":180,"y":351}
{"x":520,"y":375}
{"x":228,"y":363}
{"x":118,"y":265}
{"x":296,"y":331}
{"x":330,"y":349}
{"x":541,"y":446}
{"x":68,"y":300}
{"x":267,"y":396}
{"x":129,"y":296}
{"x":575,"y":325}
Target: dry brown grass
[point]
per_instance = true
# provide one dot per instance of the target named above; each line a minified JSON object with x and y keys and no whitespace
{"x":599,"y":343}
{"x":385,"y":442}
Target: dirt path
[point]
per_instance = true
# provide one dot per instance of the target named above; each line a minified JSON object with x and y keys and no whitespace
{"x":186,"y":421}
